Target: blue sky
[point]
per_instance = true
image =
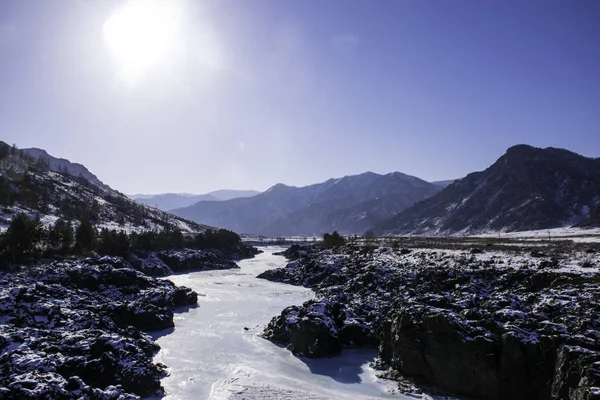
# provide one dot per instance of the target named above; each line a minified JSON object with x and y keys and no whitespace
{"x":245,"y":94}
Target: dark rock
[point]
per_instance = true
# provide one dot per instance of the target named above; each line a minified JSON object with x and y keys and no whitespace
{"x":275,"y":275}
{"x":310,"y":331}
{"x":72,"y":330}
{"x":508,"y":330}
{"x":195,"y":260}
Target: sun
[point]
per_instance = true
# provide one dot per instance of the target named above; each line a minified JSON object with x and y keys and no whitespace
{"x":141,"y":34}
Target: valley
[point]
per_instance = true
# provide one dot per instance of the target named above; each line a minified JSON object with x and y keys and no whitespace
{"x":467,"y":303}
{"x":299,"y":200}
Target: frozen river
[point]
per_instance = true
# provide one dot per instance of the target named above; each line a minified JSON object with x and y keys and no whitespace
{"x":215,"y":351}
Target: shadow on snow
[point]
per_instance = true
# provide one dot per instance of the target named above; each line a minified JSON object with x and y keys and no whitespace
{"x":343,"y":368}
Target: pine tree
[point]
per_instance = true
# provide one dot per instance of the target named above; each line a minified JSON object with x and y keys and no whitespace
{"x":85,"y":237}
{"x":67,"y":237}
{"x":55,"y":234}
{"x":21,"y":236}
{"x":7,"y":194}
{"x":333,"y":241}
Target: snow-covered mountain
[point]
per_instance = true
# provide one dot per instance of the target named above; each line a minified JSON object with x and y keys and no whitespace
{"x":170,"y":201}
{"x":350,"y":205}
{"x":51,"y":188}
{"x":62,"y":165}
{"x":527,"y":188}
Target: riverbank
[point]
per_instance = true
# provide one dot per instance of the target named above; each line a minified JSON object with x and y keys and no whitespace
{"x":519,"y":323}
{"x":77,"y":327}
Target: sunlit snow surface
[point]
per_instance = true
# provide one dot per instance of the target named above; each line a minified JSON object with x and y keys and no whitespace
{"x":210,"y":355}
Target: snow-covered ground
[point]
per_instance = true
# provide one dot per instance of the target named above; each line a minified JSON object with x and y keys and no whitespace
{"x":211,"y":355}
{"x":575,"y":234}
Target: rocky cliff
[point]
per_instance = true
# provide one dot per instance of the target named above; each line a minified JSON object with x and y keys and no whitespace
{"x":512,"y":321}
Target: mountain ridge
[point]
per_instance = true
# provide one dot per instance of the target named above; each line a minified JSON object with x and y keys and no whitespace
{"x":36,"y":183}
{"x":62,"y":164}
{"x":284,"y":210}
{"x":170,"y":201}
{"x":527,"y":188}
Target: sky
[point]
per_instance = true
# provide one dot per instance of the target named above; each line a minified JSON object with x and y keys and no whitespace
{"x":193,"y":96}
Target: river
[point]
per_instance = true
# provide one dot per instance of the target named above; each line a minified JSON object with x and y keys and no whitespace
{"x":215,"y":351}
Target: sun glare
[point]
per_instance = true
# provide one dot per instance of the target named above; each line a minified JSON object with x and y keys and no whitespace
{"x":141,"y":34}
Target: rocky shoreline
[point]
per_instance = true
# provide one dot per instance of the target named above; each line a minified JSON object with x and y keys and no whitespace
{"x":75,"y":328}
{"x":519,"y":323}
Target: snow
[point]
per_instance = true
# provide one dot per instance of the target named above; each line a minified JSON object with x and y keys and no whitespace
{"x":210,"y":355}
{"x":575,"y":234}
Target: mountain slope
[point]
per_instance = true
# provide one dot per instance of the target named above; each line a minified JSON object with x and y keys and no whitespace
{"x":349,"y":204}
{"x":228,"y":194}
{"x":443,"y":184}
{"x":170,"y":201}
{"x":62,"y":165}
{"x":33,"y":187}
{"x":527,"y":188}
{"x":358,"y":209}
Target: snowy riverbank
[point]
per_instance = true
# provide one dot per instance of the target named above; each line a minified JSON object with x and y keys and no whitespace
{"x":518,"y":323}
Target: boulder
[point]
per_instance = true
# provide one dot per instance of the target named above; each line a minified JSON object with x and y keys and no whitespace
{"x":73,"y":330}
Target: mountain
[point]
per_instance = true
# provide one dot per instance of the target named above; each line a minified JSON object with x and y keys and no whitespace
{"x":527,"y":188}
{"x":62,"y":165}
{"x":443,"y":184}
{"x":593,"y":221}
{"x":36,"y":183}
{"x":170,"y":201}
{"x":228,"y":194}
{"x":350,"y":205}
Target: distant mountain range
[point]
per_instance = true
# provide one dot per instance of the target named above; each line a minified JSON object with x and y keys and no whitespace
{"x":527,"y":188}
{"x":170,"y":201}
{"x":350,"y":205}
{"x":443,"y":184}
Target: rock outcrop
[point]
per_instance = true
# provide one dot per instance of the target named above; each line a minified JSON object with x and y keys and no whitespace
{"x":168,"y":262}
{"x":74,"y":329}
{"x":517,"y":324}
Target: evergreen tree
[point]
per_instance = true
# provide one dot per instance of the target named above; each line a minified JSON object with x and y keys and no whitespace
{"x":44,"y":203}
{"x":21,"y":236}
{"x":113,"y":243}
{"x":67,"y":237}
{"x":60,"y":236}
{"x":85,"y":237}
{"x":4,"y":151}
{"x":55,"y":234}
{"x":7,"y":194}
{"x":220,"y":239}
{"x":333,"y":241}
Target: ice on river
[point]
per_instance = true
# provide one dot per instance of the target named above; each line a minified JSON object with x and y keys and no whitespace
{"x":210,"y":354}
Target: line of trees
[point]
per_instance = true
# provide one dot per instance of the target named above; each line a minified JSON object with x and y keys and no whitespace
{"x":27,"y":237}
{"x":333,"y":240}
